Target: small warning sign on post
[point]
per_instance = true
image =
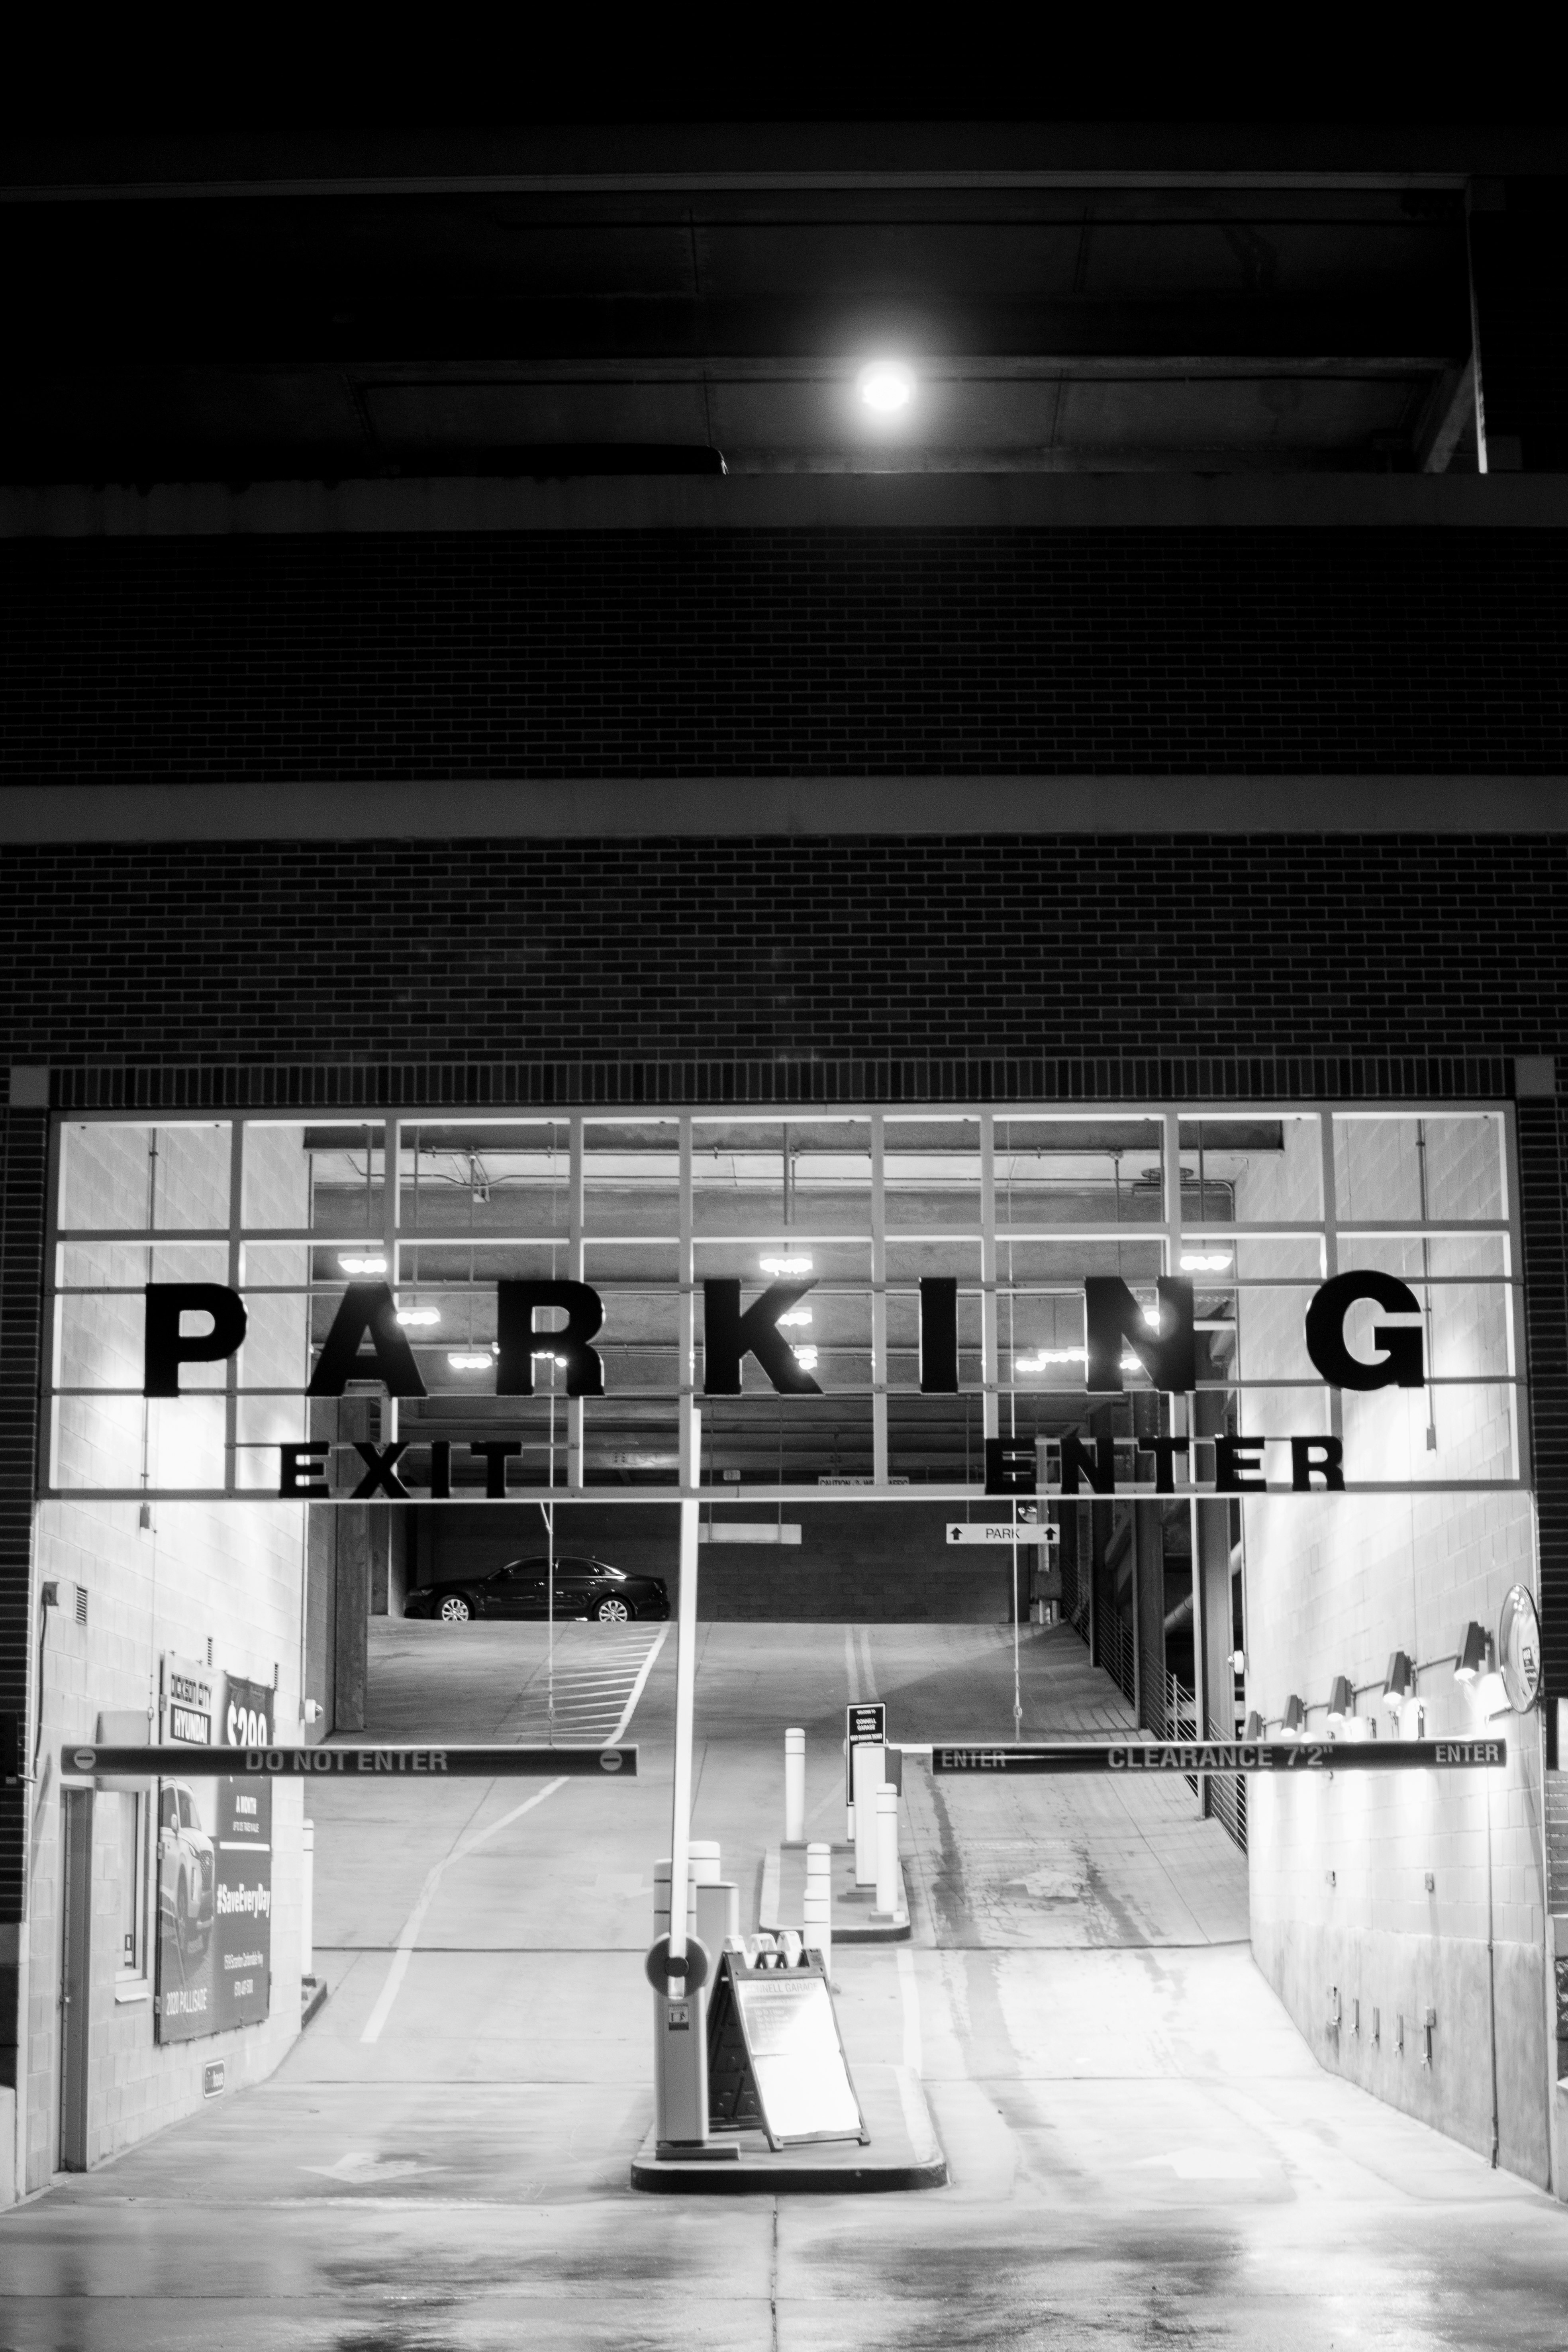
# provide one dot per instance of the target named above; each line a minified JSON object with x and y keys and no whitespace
{"x":775,"y":2056}
{"x":864,"y":1727}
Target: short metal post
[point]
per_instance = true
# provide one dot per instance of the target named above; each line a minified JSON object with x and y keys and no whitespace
{"x":794,"y":1787}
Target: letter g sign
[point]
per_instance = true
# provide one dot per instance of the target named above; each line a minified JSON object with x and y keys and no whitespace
{"x":1400,"y":1367}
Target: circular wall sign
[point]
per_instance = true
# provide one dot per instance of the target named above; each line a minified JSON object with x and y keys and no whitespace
{"x":1519,"y":1650}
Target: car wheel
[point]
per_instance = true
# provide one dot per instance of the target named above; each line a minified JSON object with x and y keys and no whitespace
{"x":455,"y":1610}
{"x":612,"y":1611}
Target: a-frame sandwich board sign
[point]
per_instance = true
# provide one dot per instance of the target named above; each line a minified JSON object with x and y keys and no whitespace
{"x":775,"y":2056}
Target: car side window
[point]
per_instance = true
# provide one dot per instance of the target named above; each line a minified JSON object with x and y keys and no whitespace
{"x":169,"y":1813}
{"x":187,"y":1810}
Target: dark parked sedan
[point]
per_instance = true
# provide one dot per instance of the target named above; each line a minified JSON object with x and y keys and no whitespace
{"x":584,"y":1587}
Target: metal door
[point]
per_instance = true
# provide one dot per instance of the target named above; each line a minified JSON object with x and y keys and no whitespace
{"x":76,"y":1973}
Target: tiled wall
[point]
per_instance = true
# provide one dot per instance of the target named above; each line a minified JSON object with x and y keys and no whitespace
{"x":1341,"y":1868}
{"x":199,"y":1574}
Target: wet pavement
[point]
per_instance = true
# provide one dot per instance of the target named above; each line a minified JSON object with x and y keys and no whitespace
{"x":1142,"y":2150}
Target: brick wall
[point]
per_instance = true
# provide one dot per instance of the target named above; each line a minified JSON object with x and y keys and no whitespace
{"x":811,"y":651}
{"x":782,"y":969}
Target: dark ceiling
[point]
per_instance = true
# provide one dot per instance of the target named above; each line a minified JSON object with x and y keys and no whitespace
{"x":630,"y":300}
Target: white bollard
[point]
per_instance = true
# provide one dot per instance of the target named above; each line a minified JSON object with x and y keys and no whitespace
{"x":817,"y":1909}
{"x":703,"y":1861}
{"x":794,"y":1787}
{"x":817,"y":1926}
{"x":870,"y":1771}
{"x":308,"y":1905}
{"x":886,"y":1852}
{"x":718,"y":1915}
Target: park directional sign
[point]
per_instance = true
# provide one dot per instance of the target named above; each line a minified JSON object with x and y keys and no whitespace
{"x":382,"y":1761}
{"x":1225,"y":1756}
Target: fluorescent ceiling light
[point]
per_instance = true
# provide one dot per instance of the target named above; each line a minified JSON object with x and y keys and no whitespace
{"x":1152,"y":1317}
{"x":886,"y":386}
{"x":363,"y":1264}
{"x":1204,"y":1261}
{"x":418,"y":1315}
{"x":806,"y":1358}
{"x":785,"y":1265}
{"x":464,"y":1360}
{"x":796,"y":1315}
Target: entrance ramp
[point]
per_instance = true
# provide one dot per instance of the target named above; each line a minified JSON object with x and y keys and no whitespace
{"x":1079,"y":1863}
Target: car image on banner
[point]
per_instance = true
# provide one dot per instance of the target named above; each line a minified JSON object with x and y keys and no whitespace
{"x":214,"y":1867}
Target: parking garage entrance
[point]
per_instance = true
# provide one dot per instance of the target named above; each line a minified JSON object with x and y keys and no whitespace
{"x":328,"y":1398}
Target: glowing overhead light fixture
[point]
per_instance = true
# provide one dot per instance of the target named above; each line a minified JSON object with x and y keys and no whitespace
{"x":1294,"y":1721}
{"x":796,"y":1315}
{"x":806,"y":1358}
{"x":469,"y":1360}
{"x":417,"y":1315}
{"x":886,"y":386}
{"x":1341,"y":1703}
{"x":1152,"y":1317}
{"x":1399,"y":1682}
{"x":785,"y":1265}
{"x":1204,"y":1261}
{"x":363,"y":1264}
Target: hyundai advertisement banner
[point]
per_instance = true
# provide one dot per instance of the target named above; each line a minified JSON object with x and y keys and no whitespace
{"x":215,"y":1862}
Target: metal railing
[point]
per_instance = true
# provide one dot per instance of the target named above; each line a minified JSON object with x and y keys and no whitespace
{"x":1170,"y":1710}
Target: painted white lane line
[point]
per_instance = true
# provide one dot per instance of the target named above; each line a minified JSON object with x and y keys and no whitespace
{"x":415,"y":1919}
{"x":910,"y":2000}
{"x":636,"y":1690}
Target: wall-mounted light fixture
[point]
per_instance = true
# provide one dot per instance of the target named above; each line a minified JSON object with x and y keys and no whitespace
{"x":1294,"y":1721}
{"x":1399,"y":1682}
{"x":1475,"y":1654}
{"x":1341,"y":1703}
{"x":1253,"y":1728}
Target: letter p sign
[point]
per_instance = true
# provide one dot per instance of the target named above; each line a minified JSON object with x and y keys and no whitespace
{"x":165,"y":1347}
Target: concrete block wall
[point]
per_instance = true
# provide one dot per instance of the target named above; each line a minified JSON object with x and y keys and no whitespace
{"x":205,"y":1581}
{"x":1378,"y":1887}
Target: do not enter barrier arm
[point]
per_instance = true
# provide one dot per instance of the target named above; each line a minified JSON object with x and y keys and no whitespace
{"x":379,"y":1762}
